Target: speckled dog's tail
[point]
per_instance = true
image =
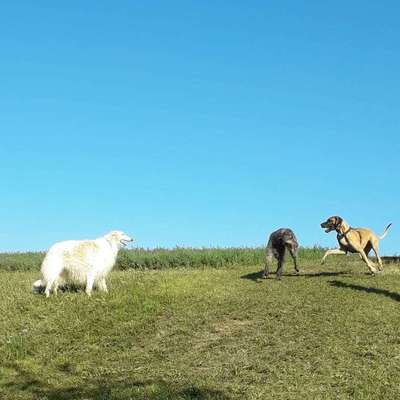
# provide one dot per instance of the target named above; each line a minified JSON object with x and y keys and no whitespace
{"x":385,"y":232}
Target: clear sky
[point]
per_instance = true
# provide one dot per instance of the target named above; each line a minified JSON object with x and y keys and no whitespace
{"x":198,"y":123}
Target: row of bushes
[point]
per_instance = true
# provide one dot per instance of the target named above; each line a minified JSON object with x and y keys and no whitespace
{"x":197,"y":258}
{"x":163,"y":258}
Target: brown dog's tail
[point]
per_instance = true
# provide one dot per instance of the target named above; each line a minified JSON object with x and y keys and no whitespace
{"x":385,"y":232}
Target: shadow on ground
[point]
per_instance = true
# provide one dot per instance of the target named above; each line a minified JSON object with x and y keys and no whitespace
{"x":108,"y":389}
{"x":339,"y":284}
{"x":257,"y":276}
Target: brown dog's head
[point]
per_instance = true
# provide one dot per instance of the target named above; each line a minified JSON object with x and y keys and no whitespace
{"x":332,"y":224}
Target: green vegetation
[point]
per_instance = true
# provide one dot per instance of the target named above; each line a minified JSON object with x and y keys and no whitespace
{"x":20,"y":261}
{"x":331,"y":332}
{"x":162,"y":258}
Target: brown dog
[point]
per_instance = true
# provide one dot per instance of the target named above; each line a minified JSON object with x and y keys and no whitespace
{"x":354,"y":240}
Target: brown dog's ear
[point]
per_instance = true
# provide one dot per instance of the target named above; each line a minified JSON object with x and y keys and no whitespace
{"x":338,"y":221}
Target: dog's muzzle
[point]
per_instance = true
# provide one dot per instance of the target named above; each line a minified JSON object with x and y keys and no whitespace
{"x":328,"y":228}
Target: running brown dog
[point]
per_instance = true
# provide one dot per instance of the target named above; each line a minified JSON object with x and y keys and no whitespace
{"x":278,"y":242}
{"x":354,"y":240}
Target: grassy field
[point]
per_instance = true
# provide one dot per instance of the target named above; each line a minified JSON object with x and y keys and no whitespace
{"x":331,"y":332}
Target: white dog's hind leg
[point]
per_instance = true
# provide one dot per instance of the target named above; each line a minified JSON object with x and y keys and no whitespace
{"x":56,"y":284}
{"x":89,"y":284}
{"x":51,"y":269}
{"x":49,"y":284}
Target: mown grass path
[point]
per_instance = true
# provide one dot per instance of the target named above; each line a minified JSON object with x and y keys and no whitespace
{"x":330,"y":333}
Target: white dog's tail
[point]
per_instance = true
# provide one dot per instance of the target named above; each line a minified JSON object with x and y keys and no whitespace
{"x":385,"y":232}
{"x":38,"y":287}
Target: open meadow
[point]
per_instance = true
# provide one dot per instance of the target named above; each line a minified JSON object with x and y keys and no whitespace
{"x":209,"y":328}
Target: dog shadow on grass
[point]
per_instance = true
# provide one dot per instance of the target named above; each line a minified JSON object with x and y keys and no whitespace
{"x":258,"y":276}
{"x":109,"y":389}
{"x":339,"y":284}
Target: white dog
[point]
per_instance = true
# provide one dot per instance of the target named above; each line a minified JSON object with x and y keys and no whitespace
{"x":84,"y":262}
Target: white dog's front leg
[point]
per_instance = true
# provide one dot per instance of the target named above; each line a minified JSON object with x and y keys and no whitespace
{"x":89,"y":284}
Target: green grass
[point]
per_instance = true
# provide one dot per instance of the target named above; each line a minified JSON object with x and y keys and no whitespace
{"x":206,"y":333}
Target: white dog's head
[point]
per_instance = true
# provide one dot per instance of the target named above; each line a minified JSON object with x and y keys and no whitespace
{"x":119,"y":238}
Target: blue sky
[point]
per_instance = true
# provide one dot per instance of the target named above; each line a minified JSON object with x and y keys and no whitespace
{"x":197,"y":123}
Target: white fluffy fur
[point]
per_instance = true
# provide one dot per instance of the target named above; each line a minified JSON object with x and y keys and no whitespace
{"x":82,"y":262}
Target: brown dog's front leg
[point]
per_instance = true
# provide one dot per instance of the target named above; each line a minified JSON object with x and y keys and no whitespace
{"x":330,"y":252}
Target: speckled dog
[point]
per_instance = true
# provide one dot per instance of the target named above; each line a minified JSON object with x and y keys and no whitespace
{"x":278,"y":242}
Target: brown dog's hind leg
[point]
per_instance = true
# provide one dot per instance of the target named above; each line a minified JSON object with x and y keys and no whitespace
{"x":375,"y":246}
{"x":367,"y":248}
{"x":367,"y":261}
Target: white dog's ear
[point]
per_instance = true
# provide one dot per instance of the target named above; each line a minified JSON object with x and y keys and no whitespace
{"x":112,"y":237}
{"x":109,"y":237}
